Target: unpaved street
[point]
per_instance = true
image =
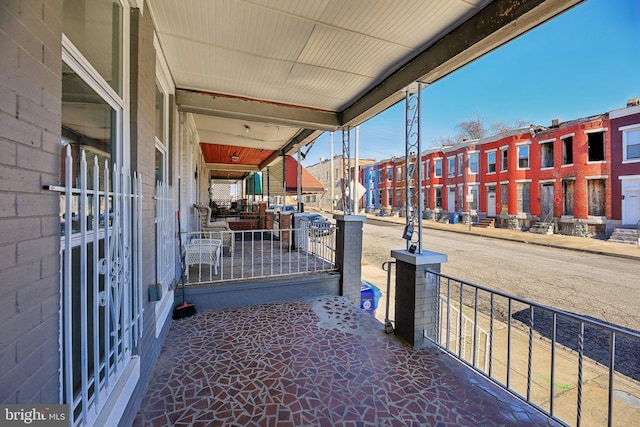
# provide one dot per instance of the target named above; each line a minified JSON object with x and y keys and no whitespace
{"x":599,"y":286}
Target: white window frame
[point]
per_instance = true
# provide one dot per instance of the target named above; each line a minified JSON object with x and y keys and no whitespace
{"x":163,"y":80}
{"x":119,"y":391}
{"x":451,"y":171}
{"x":504,"y":161}
{"x":520,"y":146}
{"x":625,"y":132}
{"x":476,"y":155}
{"x":495,"y":160}
{"x":437,"y":161}
{"x":460,"y":164}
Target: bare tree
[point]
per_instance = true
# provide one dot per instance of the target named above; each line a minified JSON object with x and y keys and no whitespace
{"x":471,"y":129}
{"x":475,"y":129}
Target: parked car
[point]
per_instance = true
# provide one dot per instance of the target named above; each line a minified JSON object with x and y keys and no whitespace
{"x":285,"y":208}
{"x":318,"y":225}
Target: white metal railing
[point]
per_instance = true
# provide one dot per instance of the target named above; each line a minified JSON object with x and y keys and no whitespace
{"x":543,"y":355}
{"x":101,"y":276}
{"x":165,"y":220}
{"x":252,"y":254}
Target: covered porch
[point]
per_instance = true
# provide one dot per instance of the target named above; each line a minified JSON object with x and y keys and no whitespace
{"x":314,"y":362}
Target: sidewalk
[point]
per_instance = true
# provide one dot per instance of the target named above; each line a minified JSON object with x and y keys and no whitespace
{"x":582,"y":244}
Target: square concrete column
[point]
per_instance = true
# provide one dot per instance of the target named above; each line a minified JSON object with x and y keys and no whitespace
{"x":349,"y":255}
{"x":417,"y":296}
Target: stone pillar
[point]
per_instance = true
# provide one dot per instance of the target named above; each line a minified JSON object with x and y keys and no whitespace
{"x":285,"y":224}
{"x":416,"y":304}
{"x":580,"y":228}
{"x":349,"y":255}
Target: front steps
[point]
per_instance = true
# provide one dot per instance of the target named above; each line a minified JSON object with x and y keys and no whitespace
{"x":624,"y":235}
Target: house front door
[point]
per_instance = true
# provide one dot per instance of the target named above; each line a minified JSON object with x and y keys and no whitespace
{"x":630,"y":202}
{"x":546,"y":200}
{"x":491,"y":203}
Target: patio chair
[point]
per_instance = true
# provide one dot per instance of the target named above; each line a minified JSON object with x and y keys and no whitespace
{"x":217,"y":229}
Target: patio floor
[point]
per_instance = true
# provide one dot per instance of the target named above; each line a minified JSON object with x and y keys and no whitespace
{"x":317,"y":362}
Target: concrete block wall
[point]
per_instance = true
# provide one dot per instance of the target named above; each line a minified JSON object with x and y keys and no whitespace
{"x":349,"y":255}
{"x":142,"y":120}
{"x":30,"y":86}
{"x":416,"y":305}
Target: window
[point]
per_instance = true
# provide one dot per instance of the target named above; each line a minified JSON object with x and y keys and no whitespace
{"x":412,"y":167}
{"x":473,"y":205}
{"x":631,"y":143}
{"x":504,"y":157}
{"x":390,"y":197}
{"x":567,"y":195}
{"x":399,"y":174}
{"x":380,"y":197}
{"x":595,"y":147}
{"x":389,"y":174}
{"x":162,"y":130}
{"x":460,"y":199}
{"x":596,"y":197}
{"x":523,"y":197}
{"x":427,"y":171}
{"x":438,"y":200}
{"x":451,"y":166}
{"x":427,"y":198}
{"x":459,"y":164}
{"x":437,"y":168}
{"x":523,"y":156}
{"x":93,"y":109}
{"x":473,"y":163}
{"x":567,"y":151}
{"x":399,"y":202}
{"x":491,"y":162}
{"x":95,"y":29}
{"x":546,"y":150}
{"x":504,"y":197}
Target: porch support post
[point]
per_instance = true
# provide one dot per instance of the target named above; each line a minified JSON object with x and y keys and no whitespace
{"x":417,"y":294}
{"x":349,"y":254}
{"x":346,"y":171}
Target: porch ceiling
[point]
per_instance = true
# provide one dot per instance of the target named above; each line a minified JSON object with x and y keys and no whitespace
{"x":290,"y":70}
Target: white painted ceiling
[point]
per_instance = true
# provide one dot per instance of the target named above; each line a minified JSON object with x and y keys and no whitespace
{"x":283,"y":66}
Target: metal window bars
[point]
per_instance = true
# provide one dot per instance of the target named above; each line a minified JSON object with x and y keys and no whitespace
{"x":101,"y":265}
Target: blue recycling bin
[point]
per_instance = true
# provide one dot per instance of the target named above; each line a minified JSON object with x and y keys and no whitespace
{"x":454,"y":217}
{"x":369,"y":297}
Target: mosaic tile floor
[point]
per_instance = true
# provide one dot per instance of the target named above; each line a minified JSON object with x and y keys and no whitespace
{"x":321,"y":362}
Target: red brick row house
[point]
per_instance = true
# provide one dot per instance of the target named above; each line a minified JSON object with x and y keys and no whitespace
{"x":625,"y":165}
{"x":573,"y":175}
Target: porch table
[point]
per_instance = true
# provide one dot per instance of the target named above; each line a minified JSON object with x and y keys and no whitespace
{"x":203,"y":251}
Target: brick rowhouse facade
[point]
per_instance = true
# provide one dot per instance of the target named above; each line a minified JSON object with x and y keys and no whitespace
{"x":570,"y":173}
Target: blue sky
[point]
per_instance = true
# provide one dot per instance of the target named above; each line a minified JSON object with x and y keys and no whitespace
{"x":584,"y":62}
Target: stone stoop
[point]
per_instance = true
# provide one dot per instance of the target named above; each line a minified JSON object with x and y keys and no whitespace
{"x":542,"y":228}
{"x":624,"y":235}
